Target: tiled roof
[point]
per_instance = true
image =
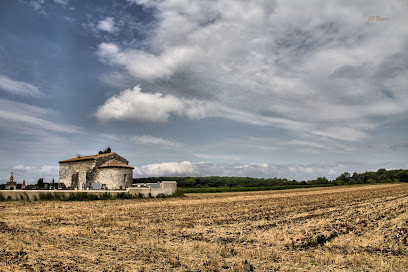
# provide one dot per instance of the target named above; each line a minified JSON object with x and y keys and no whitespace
{"x":115,"y":163}
{"x":84,"y":158}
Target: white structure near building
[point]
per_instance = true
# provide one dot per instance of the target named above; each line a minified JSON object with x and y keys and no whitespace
{"x":109,"y":171}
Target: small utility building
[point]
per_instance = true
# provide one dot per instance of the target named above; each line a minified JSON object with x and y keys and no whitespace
{"x":87,"y":172}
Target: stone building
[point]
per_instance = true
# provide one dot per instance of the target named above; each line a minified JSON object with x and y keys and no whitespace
{"x":11,"y":184}
{"x":110,"y":170}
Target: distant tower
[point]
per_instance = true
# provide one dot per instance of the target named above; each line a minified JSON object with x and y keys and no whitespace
{"x":11,"y":185}
{"x":24,"y":185}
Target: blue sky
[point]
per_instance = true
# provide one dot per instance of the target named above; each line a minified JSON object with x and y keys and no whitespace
{"x":289,"y":89}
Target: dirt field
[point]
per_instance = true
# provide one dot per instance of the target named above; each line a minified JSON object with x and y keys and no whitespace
{"x":355,"y":228}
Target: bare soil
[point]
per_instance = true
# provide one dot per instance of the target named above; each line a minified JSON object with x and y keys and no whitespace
{"x":351,"y":228}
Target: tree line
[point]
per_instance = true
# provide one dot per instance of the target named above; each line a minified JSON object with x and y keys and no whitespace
{"x":380,"y":176}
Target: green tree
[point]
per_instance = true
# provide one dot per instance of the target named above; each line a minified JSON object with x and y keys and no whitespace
{"x":403,"y":176}
{"x":107,"y":150}
{"x":345,"y":177}
{"x":322,"y":180}
{"x":40,"y":183}
{"x":356,"y":178}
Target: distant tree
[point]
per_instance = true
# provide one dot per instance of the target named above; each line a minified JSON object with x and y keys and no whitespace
{"x":403,"y":176}
{"x":53,"y":184}
{"x":356,"y":178}
{"x":322,"y":180}
{"x":345,"y":177}
{"x":40,"y":183}
{"x":107,"y":150}
{"x":381,"y":171}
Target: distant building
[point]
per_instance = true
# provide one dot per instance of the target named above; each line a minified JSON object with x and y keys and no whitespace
{"x":109,"y":170}
{"x":11,"y":185}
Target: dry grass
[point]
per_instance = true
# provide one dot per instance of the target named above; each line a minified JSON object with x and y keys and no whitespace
{"x":355,"y":228}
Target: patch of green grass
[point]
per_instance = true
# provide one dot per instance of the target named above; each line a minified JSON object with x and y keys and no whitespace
{"x":179,"y":193}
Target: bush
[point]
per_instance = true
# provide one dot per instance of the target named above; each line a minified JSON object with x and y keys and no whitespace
{"x":162,"y":196}
{"x":46,"y":196}
{"x":124,"y":196}
{"x":81,"y":196}
{"x":179,"y":193}
{"x":104,"y":196}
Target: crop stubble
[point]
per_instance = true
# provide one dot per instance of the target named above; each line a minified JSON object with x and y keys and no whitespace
{"x":352,"y":228}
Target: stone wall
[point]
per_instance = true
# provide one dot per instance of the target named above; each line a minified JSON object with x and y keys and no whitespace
{"x":35,"y":194}
{"x":114,"y":177}
{"x":167,"y":188}
{"x":82,"y":174}
{"x":67,"y":171}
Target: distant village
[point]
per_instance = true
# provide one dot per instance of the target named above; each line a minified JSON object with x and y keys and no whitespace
{"x":12,"y":184}
{"x":106,"y":171}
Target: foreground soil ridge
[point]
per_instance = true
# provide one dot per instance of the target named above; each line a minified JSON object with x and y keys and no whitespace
{"x":350,"y":228}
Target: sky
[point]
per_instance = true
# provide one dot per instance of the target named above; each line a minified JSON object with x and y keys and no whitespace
{"x":288,"y":89}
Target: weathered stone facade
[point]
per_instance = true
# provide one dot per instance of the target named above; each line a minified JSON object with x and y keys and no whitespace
{"x":119,"y":178}
{"x":109,"y":169}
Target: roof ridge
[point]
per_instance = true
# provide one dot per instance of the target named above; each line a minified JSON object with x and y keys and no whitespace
{"x":90,"y":157}
{"x":115,"y":163}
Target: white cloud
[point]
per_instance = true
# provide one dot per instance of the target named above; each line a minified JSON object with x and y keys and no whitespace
{"x":32,"y":116}
{"x":142,"y":107}
{"x":45,"y":169}
{"x":62,"y":2}
{"x":278,"y":64}
{"x":107,"y":25}
{"x":148,"y":66}
{"x":32,"y":173}
{"x":18,"y":87}
{"x":141,"y":2}
{"x":260,"y":170}
{"x":152,"y":140}
{"x":37,"y":4}
{"x":184,"y":168}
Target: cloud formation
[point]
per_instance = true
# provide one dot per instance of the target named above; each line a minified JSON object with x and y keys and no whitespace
{"x":32,"y":173}
{"x":260,"y":170}
{"x":149,"y":66}
{"x":107,"y":25}
{"x":10,"y":85}
{"x":184,"y":168}
{"x":62,"y":2}
{"x":31,"y":116}
{"x":152,"y":140}
{"x":37,"y":4}
{"x":156,"y":108}
{"x":277,"y":64}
